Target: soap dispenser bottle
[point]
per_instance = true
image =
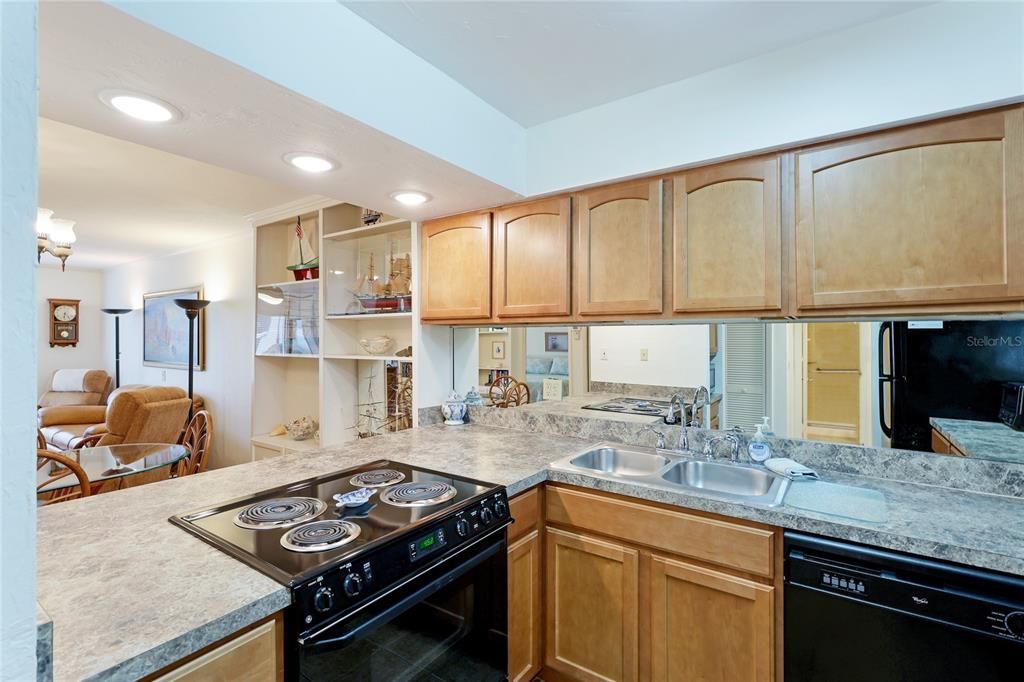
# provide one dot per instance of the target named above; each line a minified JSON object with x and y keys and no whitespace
{"x":758,"y":450}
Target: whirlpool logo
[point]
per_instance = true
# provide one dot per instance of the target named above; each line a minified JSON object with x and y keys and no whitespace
{"x":993,"y":341}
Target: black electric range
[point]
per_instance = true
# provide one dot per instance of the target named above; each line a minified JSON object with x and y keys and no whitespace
{"x":422,"y":559}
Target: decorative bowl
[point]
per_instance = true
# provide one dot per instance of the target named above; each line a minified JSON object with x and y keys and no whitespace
{"x":377,"y":345}
{"x":302,"y":428}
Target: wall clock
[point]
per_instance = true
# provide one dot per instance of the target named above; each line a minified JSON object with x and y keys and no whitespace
{"x":63,"y":321}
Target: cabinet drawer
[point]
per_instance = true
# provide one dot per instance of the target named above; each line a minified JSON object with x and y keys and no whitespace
{"x":525,"y":509}
{"x":725,"y":543}
{"x":253,"y":655}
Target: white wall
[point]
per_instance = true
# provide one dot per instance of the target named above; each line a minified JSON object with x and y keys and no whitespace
{"x":18,"y":173}
{"x":92,"y":351}
{"x":939,"y":58}
{"x":677,"y":354}
{"x":225,"y":269}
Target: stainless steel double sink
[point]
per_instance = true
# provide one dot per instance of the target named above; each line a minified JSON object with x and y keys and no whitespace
{"x":682,"y":471}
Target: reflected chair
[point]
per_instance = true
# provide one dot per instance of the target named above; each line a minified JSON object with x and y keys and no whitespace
{"x":60,"y":467}
{"x":506,"y":391}
{"x":198,"y":438}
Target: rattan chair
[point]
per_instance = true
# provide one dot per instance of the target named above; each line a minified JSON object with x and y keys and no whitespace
{"x":198,"y":438}
{"x":60,"y":466}
{"x":506,"y":391}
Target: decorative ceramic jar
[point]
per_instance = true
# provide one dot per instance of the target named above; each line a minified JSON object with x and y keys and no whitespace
{"x":473,"y":397}
{"x":454,"y":410}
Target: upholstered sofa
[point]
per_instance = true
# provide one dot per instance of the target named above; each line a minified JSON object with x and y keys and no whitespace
{"x":77,"y":387}
{"x":133,"y":414}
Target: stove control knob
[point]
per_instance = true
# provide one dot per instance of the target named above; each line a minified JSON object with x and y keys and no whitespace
{"x":1015,"y":623}
{"x":501,"y":509}
{"x":462,"y":527}
{"x":486,"y":515}
{"x":323,"y":600}
{"x":353,"y":584}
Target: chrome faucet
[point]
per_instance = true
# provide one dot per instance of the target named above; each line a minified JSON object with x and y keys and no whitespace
{"x":701,"y":401}
{"x":659,"y":434}
{"x":676,"y":410}
{"x":683,"y":444}
{"x":734,"y":450}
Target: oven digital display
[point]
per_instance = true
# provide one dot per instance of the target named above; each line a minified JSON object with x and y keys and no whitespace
{"x":427,"y":544}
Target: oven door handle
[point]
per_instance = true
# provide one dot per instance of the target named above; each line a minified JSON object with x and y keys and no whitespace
{"x":321,"y":643}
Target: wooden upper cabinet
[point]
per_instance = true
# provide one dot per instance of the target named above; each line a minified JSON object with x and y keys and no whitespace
{"x":709,"y":625}
{"x":726,"y":237}
{"x":456,"y":268}
{"x":924,"y":215}
{"x":532,"y":245}
{"x":618,"y":249}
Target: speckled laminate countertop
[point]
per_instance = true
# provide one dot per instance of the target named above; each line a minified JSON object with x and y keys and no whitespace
{"x":984,"y":440}
{"x":129,"y":593}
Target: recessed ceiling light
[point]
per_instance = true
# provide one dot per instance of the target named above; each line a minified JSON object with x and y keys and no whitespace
{"x":311,"y":163}
{"x":410,"y":197}
{"x":141,"y":107}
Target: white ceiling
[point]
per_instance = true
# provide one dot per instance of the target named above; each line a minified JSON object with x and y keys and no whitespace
{"x":233,"y":119}
{"x":131,"y":201}
{"x":536,"y":61}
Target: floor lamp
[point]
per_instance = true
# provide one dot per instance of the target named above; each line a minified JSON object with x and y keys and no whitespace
{"x":117,"y":313}
{"x":191,"y":306}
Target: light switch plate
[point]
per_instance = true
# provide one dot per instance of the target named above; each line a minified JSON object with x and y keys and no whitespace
{"x":643,"y":355}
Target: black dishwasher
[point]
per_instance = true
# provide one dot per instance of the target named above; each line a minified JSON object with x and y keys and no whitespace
{"x":856,"y":613}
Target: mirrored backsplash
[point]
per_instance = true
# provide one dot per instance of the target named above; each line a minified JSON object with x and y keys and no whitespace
{"x":945,"y":387}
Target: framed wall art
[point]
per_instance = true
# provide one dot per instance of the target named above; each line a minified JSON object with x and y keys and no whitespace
{"x":165,"y":330}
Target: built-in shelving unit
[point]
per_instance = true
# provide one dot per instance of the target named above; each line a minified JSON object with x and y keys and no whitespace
{"x":491,"y":367}
{"x":308,"y":360}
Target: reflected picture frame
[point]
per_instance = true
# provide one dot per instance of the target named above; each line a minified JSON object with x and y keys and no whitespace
{"x":556,"y":342}
{"x":165,"y":330}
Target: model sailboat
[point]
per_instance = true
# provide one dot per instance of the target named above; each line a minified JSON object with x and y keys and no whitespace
{"x":308,"y":265}
{"x":393,"y":294}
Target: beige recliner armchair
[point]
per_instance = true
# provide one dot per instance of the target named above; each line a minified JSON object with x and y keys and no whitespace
{"x":134,"y":414}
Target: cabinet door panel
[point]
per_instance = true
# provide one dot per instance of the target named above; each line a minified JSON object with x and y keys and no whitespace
{"x":456,"y":268}
{"x":707,"y":625}
{"x":525,"y":612}
{"x":929,"y":214}
{"x":727,"y":240}
{"x":619,"y":249}
{"x":531,"y":259}
{"x":592,"y":612}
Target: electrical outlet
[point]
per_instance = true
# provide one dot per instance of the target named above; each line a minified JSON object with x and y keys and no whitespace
{"x":604,"y":355}
{"x":163,"y":375}
{"x":643,"y":355}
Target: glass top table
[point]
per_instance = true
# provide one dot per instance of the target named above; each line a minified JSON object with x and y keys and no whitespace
{"x":108,"y":462}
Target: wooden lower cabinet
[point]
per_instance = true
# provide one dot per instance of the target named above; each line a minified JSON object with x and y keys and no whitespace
{"x":709,"y":625}
{"x":525,"y":586}
{"x":641,"y":591}
{"x":255,"y":655}
{"x":525,"y":610}
{"x":592,"y":614}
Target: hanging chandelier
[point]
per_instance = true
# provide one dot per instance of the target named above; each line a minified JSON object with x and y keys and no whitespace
{"x":54,"y":235}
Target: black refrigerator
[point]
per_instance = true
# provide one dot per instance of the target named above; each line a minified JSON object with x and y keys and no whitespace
{"x":943,"y":369}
